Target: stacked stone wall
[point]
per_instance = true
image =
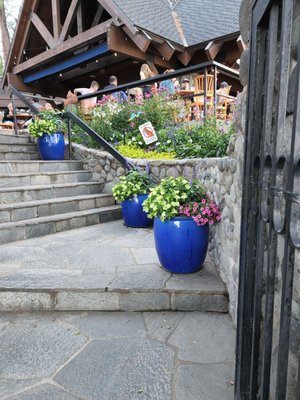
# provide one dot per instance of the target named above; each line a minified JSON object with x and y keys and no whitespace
{"x":222,"y":177}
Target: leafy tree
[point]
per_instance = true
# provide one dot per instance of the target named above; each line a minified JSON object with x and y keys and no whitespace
{"x":9,"y":10}
{"x":5,"y":39}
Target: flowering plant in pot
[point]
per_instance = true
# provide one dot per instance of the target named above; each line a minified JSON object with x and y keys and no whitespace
{"x":182,"y":213}
{"x":48,"y":128}
{"x":131,"y":191}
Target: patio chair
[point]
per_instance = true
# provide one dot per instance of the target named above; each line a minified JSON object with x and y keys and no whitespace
{"x":223,"y":102}
{"x":199,"y":88}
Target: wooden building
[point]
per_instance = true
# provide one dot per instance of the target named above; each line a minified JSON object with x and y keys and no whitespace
{"x":62,"y":44}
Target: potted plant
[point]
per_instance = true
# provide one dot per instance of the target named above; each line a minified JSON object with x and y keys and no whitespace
{"x":183,"y":212}
{"x":131,"y":191}
{"x":48,"y":128}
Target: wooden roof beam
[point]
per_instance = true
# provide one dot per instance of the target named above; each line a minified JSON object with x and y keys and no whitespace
{"x":87,"y":37}
{"x":42,"y":30}
{"x":140,"y":40}
{"x":212,"y":49}
{"x":166,"y":49}
{"x":17,"y":82}
{"x":98,"y":15}
{"x":241,"y":45}
{"x":80,"y":19}
{"x":69,"y":20}
{"x":185,"y":57}
{"x":117,"y":42}
{"x":56,"y":19}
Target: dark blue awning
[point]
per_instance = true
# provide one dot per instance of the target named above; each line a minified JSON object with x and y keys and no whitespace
{"x":67,"y":64}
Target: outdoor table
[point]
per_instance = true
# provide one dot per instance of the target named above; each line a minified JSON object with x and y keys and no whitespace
{"x":184,"y":93}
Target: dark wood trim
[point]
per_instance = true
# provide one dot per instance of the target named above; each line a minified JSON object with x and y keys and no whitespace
{"x":166,"y":49}
{"x":118,"y":42}
{"x":98,"y":15}
{"x":17,"y":82}
{"x":140,"y":40}
{"x":69,"y":20}
{"x":56,"y":19}
{"x":42,"y":30}
{"x":185,"y":57}
{"x":80,"y":21}
{"x":241,"y":45}
{"x":89,"y":36}
{"x":212,"y":49}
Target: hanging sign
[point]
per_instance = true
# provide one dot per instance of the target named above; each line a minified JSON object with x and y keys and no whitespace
{"x":148,"y":133}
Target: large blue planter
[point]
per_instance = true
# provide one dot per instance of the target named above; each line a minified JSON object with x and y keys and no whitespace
{"x":52,"y":147}
{"x":181,"y":244}
{"x":133,"y":213}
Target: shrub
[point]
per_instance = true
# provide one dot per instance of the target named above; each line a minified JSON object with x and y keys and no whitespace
{"x":135,"y":152}
{"x":133,"y":184}
{"x":164,"y":200}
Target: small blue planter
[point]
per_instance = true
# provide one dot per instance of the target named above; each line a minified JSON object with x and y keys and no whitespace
{"x":52,"y":147}
{"x":181,"y":244}
{"x":133,"y":213}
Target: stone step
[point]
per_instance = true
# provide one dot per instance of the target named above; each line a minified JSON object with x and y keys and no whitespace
{"x":16,"y":155}
{"x":106,"y":267}
{"x":11,"y":138}
{"x":29,"y":228}
{"x":45,"y":178}
{"x":39,"y":166}
{"x":18,"y":147}
{"x":41,"y":192}
{"x":42,"y":208}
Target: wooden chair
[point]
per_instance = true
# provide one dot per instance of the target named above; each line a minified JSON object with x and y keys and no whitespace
{"x":199,"y":88}
{"x":222,"y":110}
{"x":223,"y":102}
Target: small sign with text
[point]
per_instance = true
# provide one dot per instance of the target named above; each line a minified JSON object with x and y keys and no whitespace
{"x":148,"y":133}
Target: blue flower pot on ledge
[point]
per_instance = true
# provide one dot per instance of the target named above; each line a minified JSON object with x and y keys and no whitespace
{"x":133,"y":213}
{"x":52,"y":147}
{"x":181,"y":244}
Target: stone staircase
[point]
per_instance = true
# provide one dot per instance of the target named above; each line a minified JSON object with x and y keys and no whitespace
{"x":42,"y":197}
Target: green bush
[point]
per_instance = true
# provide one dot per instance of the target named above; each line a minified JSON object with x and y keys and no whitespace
{"x":133,"y":184}
{"x":195,"y":140}
{"x":165,"y":199}
{"x":135,"y":152}
{"x":46,"y":122}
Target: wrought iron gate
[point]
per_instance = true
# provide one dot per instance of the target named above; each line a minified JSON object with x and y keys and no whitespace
{"x":268,"y":337}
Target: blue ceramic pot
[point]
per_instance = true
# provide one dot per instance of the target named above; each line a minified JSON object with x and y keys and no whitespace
{"x":52,"y":147}
{"x":133,"y":213}
{"x":181,"y":244}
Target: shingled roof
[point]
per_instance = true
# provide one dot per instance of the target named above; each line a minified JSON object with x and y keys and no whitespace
{"x":186,"y":22}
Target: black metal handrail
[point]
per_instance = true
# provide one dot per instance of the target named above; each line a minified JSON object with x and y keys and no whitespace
{"x":99,"y":139}
{"x":72,"y":117}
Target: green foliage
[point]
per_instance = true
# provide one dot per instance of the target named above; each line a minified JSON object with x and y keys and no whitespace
{"x":131,"y":185}
{"x":135,"y":152}
{"x":113,"y":120}
{"x":118,"y":123}
{"x":165,"y":199}
{"x":208,"y":139}
{"x":1,"y":65}
{"x":46,"y":122}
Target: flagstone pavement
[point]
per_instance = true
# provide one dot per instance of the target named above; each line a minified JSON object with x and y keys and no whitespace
{"x":88,"y":315}
{"x":116,"y":356}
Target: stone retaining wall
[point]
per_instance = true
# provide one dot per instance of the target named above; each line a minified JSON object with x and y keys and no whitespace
{"x":222,"y":177}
